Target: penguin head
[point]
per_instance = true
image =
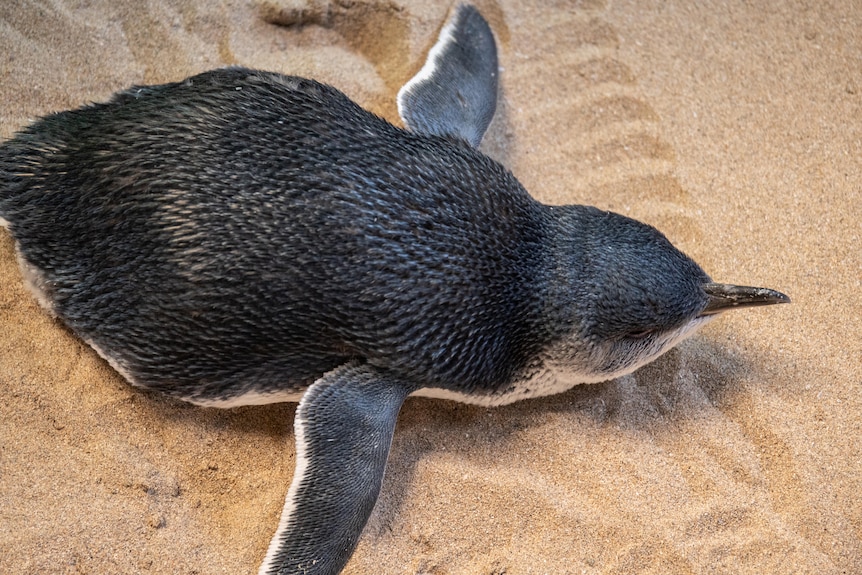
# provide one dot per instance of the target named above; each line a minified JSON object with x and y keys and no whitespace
{"x":625,"y":295}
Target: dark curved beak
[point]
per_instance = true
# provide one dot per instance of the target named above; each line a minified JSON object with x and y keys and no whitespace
{"x":722,"y":297}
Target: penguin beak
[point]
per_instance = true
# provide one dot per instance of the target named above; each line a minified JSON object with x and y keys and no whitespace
{"x":722,"y":297}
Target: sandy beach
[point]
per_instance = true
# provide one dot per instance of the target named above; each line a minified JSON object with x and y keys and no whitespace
{"x":734,"y":127}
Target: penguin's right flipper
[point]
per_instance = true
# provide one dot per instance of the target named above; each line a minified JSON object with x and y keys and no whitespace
{"x":344,"y":425}
{"x":455,"y":92}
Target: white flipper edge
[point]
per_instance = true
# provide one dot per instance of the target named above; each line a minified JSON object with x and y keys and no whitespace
{"x":344,"y":426}
{"x":455,"y":92}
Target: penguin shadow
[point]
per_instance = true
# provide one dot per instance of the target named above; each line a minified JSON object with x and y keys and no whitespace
{"x":377,"y":31}
{"x":247,"y":451}
{"x":497,"y":143}
{"x":394,"y":42}
{"x":688,"y":381}
{"x":254,"y":425}
{"x":272,"y":421}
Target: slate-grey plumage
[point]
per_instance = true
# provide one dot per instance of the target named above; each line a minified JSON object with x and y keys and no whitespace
{"x":245,"y":237}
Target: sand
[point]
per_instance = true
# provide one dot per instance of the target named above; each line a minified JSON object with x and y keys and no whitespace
{"x":732,"y":126}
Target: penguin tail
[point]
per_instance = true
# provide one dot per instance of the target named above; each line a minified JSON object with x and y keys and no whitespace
{"x":21,"y":159}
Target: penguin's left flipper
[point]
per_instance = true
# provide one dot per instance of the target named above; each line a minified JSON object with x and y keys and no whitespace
{"x":455,"y":92}
{"x":344,"y":425}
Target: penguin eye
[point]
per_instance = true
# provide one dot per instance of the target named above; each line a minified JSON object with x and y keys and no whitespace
{"x":641,"y":334}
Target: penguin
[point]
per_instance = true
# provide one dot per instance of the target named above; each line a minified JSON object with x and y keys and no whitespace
{"x":245,"y":237}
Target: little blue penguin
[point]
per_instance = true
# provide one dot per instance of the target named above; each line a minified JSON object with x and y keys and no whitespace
{"x":245,"y":237}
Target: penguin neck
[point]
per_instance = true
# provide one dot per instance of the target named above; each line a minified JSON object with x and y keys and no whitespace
{"x":569,"y":355}
{"x":566,"y":294}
